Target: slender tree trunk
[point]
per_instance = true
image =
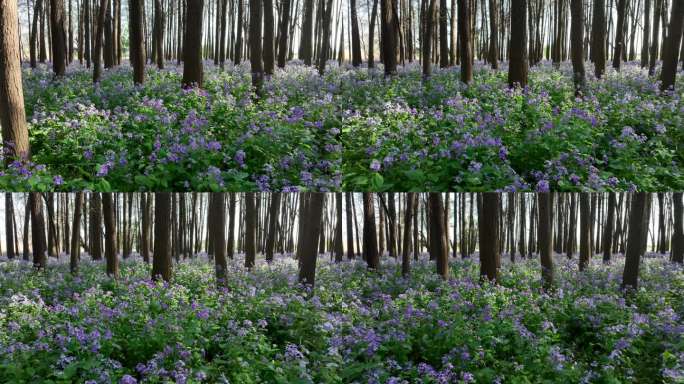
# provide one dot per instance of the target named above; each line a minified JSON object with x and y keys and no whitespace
{"x":9,"y":225}
{"x":371,"y":35}
{"x":272,"y":224}
{"x":609,"y":228}
{"x":427,"y":38}
{"x":250,"y":230}
{"x":110,"y":235}
{"x":678,"y":235}
{"x":465,"y":41}
{"x":598,"y":38}
{"x":159,"y":26}
{"x":438,"y":246}
{"x":388,"y":32}
{"x":76,"y":235}
{"x":544,"y":235}
{"x":12,"y":114}
{"x":585,"y":231}
{"x":255,"y":45}
{"x":657,"y":15}
{"x":577,"y":50}
{"x":59,"y":38}
{"x":406,"y":247}
{"x":97,"y":53}
{"x":518,"y":66}
{"x":488,"y":220}
{"x":161,"y":258}
{"x":238,"y":40}
{"x":355,"y":38}
{"x":137,"y":44}
{"x":231,"y":225}
{"x":325,"y":47}
{"x":218,"y":227}
{"x":637,"y":216}
{"x":38,"y":231}
{"x":283,"y":34}
{"x":443,"y":35}
{"x":370,"y":239}
{"x":671,"y":46}
{"x":193,"y":71}
{"x":619,"y":34}
{"x":350,"y":231}
{"x":307,"y":249}
{"x":268,"y":48}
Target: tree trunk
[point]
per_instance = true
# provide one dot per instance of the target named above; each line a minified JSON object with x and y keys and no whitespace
{"x":438,"y":246}
{"x":544,"y":235}
{"x":518,"y":66}
{"x":272,"y":224}
{"x":231,"y":225}
{"x":637,"y":215}
{"x":427,"y":38}
{"x":59,"y":38}
{"x":671,"y":47}
{"x":12,"y":114}
{"x":350,"y":231}
{"x":283,"y":34}
{"x":325,"y":47}
{"x":577,"y":49}
{"x":370,"y":239}
{"x":488,"y":220}
{"x":466,"y":42}
{"x":619,"y":34}
{"x":443,"y":35}
{"x":598,"y":38}
{"x":339,"y":247}
{"x":38,"y":231}
{"x":76,"y":235}
{"x":355,"y":38}
{"x":110,"y":236}
{"x":161,"y":257}
{"x":269,"y":25}
{"x":137,"y":43}
{"x":585,"y":231}
{"x":250,"y":230}
{"x":9,"y":225}
{"x":493,"y":34}
{"x":609,"y":228}
{"x":255,"y":45}
{"x":307,"y":248}
{"x":217,"y":211}
{"x":193,"y":71}
{"x":238,"y":39}
{"x":388,"y":32}
{"x":678,"y":235}
{"x":371,"y":35}
{"x":97,"y":53}
{"x":159,"y":25}
{"x":657,"y":15}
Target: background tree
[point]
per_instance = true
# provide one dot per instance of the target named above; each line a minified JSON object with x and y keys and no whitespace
{"x":269,"y":27}
{"x":97,"y":53}
{"x":443,"y":34}
{"x":409,"y":213}
{"x":37,"y":231}
{"x":9,"y":225}
{"x":355,"y":38}
{"x":325,"y":47}
{"x":193,"y":71}
{"x":657,"y":15}
{"x":161,"y":258}
{"x":388,"y":32}
{"x":609,"y":228}
{"x":12,"y":115}
{"x":255,"y":45}
{"x":465,"y":41}
{"x":110,"y":235}
{"x":137,"y":43}
{"x":619,"y":34}
{"x":646,"y":34}
{"x":585,"y":231}
{"x":218,"y":228}
{"x":339,"y":246}
{"x":494,"y":34}
{"x":75,"y":253}
{"x":427,"y":38}
{"x":488,"y":221}
{"x":637,"y":216}
{"x":159,"y":26}
{"x":671,"y":46}
{"x":59,"y":37}
{"x":283,"y":34}
{"x":598,"y":38}
{"x":438,"y":245}
{"x":370,"y":239}
{"x":518,"y":66}
{"x":577,"y":41}
{"x":677,"y":248}
{"x":310,"y":223}
{"x":544,"y":234}
{"x":274,"y":213}
{"x":250,"y":230}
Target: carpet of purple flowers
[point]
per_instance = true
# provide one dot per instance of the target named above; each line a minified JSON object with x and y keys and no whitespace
{"x":356,"y":326}
{"x":351,"y":129}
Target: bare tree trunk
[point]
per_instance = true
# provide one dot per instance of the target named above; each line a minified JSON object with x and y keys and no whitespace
{"x":678,"y":235}
{"x":427,"y":39}
{"x":283,"y":34}
{"x":193,"y":71}
{"x":110,"y":235}
{"x":325,"y":47}
{"x":159,"y":25}
{"x":518,"y":66}
{"x":255,"y":45}
{"x":355,"y":38}
{"x":250,"y":230}
{"x":137,"y":44}
{"x":585,"y":231}
{"x":161,"y":258}
{"x":370,"y":239}
{"x":12,"y":114}
{"x":671,"y":47}
{"x":466,"y":42}
{"x":619,"y":34}
{"x":438,"y":246}
{"x":307,"y":248}
{"x":59,"y":48}
{"x":406,"y":247}
{"x":488,"y":220}
{"x":97,"y":54}
{"x":371,"y":35}
{"x":637,"y":214}
{"x":493,"y":34}
{"x":577,"y":50}
{"x":9,"y":225}
{"x":350,"y":230}
{"x":268,"y":48}
{"x":657,"y":14}
{"x":76,"y":235}
{"x":544,"y":235}
{"x":272,"y":224}
{"x":238,"y":39}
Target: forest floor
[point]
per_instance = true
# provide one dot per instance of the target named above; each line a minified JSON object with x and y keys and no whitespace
{"x":350,"y":130}
{"x":356,"y":326}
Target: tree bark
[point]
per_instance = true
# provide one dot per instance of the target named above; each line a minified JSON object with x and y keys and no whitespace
{"x":619,"y":34}
{"x":339,"y":245}
{"x":193,"y":71}
{"x":59,"y":38}
{"x":161,"y":257}
{"x":488,"y":221}
{"x":598,"y":38}
{"x":307,"y":249}
{"x":97,"y":53}
{"x":268,"y":48}
{"x":76,"y":235}
{"x":12,"y":114}
{"x":283,"y":33}
{"x":110,"y":236}
{"x":678,"y":235}
{"x":272,"y":224}
{"x":577,"y":49}
{"x":518,"y":66}
{"x":671,"y":47}
{"x":544,"y":235}
{"x":137,"y":43}
{"x":438,"y":246}
{"x":255,"y":45}
{"x":9,"y":225}
{"x":637,"y":215}
{"x":250,"y":230}
{"x":38,"y":231}
{"x":585,"y":231}
{"x":493,"y":34}
{"x":370,"y":239}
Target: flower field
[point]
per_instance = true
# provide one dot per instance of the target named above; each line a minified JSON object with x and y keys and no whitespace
{"x":356,"y":326}
{"x":350,"y":129}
